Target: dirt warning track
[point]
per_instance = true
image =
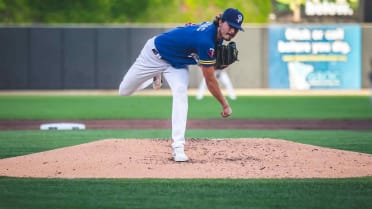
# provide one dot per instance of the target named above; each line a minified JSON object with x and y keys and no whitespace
{"x":351,"y":124}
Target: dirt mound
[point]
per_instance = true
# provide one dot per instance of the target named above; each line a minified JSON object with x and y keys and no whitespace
{"x":227,"y":158}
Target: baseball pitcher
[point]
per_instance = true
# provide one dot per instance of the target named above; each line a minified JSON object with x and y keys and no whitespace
{"x":170,"y":53}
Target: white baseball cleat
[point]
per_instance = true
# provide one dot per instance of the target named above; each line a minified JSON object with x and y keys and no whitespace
{"x":157,"y":82}
{"x":179,"y":155}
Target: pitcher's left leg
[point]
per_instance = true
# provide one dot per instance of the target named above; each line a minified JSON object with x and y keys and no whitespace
{"x":178,"y":80}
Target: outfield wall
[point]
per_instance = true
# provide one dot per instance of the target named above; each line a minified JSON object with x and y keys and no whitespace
{"x":96,"y":57}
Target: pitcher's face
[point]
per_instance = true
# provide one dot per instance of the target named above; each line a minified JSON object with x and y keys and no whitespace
{"x":226,"y":32}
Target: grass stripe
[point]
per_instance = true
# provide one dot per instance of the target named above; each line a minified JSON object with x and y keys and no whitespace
{"x":203,"y":194}
{"x":142,"y":107}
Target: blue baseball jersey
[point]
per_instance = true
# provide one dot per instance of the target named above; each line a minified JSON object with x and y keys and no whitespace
{"x":188,"y":45}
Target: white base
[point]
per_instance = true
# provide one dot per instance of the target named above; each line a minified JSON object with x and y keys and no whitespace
{"x":62,"y":126}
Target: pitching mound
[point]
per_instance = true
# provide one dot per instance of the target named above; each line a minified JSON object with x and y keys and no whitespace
{"x":234,"y":158}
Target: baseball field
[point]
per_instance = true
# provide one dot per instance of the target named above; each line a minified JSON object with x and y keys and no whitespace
{"x":276,"y":151}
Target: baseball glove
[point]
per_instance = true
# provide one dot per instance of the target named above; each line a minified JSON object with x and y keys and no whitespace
{"x":226,"y":55}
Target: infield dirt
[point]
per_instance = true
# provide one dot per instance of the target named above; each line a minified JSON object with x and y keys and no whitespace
{"x":227,"y":158}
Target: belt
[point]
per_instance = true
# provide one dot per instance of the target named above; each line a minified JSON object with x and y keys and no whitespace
{"x":155,"y":51}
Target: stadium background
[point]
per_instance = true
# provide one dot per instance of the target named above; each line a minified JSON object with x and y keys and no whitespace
{"x":96,"y":56}
{"x":41,"y":55}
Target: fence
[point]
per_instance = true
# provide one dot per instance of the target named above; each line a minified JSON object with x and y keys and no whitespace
{"x":97,"y":57}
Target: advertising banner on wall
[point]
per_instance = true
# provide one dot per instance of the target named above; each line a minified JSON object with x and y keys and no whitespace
{"x":315,"y":56}
{"x":321,"y":11}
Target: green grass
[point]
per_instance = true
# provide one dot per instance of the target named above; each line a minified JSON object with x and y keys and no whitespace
{"x":176,"y":194}
{"x":116,"y":107}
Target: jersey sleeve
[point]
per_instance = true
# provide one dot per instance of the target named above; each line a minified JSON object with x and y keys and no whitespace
{"x":206,"y":55}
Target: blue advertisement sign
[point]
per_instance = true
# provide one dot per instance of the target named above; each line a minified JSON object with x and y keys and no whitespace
{"x":315,"y":56}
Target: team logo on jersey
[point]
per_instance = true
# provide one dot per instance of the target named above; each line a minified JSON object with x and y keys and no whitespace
{"x":211,"y":52}
{"x":239,"y":19}
{"x":203,"y":26}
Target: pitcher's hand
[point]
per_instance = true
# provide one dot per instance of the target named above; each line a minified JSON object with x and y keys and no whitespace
{"x":226,"y":111}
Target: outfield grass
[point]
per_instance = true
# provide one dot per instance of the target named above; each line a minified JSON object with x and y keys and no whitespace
{"x":115,"y":107}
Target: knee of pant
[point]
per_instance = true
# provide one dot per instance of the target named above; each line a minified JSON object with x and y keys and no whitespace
{"x":180,"y":95}
{"x":180,"y":90}
{"x":124,"y":92}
